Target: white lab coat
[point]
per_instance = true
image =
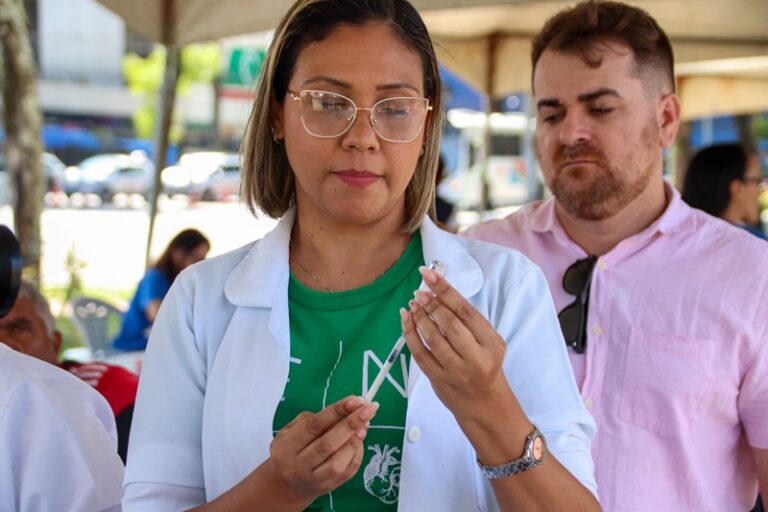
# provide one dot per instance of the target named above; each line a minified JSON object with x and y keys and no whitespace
{"x":217,"y":364}
{"x":58,"y":443}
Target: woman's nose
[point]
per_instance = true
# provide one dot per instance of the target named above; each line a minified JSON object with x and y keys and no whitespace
{"x":361,"y":135}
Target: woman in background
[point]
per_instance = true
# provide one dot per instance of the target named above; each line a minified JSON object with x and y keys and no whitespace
{"x":186,"y":248}
{"x":724,"y":180}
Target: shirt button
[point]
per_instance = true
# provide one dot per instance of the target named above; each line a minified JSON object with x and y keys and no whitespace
{"x":601,"y":265}
{"x":596,"y":330}
{"x":588,"y":403}
{"x":414,"y":434}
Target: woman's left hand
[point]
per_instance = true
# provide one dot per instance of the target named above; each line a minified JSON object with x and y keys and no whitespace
{"x":463,"y":354}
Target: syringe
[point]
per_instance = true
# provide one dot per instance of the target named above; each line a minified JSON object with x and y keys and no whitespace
{"x":439,"y":267}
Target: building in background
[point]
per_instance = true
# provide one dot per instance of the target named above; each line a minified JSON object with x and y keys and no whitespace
{"x":87,"y":107}
{"x":79,"y":46}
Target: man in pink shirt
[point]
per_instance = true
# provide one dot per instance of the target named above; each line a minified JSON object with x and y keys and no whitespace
{"x":664,"y":308}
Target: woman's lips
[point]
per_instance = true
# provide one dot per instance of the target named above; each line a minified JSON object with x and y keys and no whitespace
{"x":357,"y":179}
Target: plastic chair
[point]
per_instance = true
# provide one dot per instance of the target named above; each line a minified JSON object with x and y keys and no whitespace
{"x":97,"y":322}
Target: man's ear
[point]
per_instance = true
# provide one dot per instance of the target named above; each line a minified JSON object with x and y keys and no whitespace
{"x":668,"y":115}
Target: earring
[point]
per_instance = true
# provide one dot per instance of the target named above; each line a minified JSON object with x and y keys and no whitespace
{"x":421,"y":151}
{"x":274,"y":137}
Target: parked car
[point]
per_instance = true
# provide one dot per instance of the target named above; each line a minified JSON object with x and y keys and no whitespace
{"x":224,"y":182}
{"x":175,"y":180}
{"x":190,"y":175}
{"x":53,"y":172}
{"x":110,"y":174}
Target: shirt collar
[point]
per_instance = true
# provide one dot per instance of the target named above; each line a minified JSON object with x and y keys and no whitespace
{"x":541,"y":217}
{"x":264,"y":268}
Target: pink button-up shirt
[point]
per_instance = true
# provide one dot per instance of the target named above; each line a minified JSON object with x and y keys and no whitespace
{"x":676,"y":366}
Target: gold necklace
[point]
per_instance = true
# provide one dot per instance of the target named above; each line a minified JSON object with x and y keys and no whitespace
{"x":313,"y":276}
{"x":325,"y":286}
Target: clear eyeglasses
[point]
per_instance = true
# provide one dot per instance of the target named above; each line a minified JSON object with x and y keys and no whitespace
{"x":328,"y":115}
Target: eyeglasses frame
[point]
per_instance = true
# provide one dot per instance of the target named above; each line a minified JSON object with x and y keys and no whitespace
{"x":757,"y":180}
{"x":296,"y":96}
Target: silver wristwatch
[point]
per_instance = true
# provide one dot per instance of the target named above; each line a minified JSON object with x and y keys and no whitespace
{"x":535,"y":450}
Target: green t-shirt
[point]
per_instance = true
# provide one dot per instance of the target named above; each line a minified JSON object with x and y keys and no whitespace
{"x":339,"y":341}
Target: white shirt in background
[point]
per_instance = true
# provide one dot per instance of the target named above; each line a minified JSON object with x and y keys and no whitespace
{"x":58,"y":443}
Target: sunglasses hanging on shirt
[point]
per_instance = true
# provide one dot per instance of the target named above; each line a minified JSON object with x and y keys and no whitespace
{"x":573,"y":317}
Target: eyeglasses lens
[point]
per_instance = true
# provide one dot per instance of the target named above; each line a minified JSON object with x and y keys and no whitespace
{"x":399,"y":119}
{"x":573,"y":321}
{"x":325,"y":114}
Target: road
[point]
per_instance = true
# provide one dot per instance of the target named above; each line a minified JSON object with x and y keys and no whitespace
{"x":111,"y":240}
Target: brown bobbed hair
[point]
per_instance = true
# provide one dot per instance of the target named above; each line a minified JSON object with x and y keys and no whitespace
{"x":267,"y":179}
{"x":585,"y":27}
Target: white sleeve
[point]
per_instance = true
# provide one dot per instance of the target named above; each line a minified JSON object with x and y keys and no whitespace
{"x":540,"y":374}
{"x":58,"y":448}
{"x":165,"y":468}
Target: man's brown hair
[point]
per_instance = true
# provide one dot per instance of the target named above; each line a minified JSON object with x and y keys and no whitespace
{"x":584,"y":27}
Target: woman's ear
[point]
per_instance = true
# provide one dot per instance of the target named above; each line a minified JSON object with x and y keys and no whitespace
{"x":278,"y":126}
{"x":735,"y":188}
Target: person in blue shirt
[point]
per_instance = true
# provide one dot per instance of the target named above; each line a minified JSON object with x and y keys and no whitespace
{"x":724,"y":180}
{"x":186,"y":248}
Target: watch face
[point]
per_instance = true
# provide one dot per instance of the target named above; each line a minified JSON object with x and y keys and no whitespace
{"x":538,"y":448}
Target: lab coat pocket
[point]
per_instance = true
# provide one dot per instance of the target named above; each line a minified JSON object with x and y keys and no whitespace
{"x":670,"y":382}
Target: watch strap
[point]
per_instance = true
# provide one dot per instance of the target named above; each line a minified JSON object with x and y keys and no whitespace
{"x":524,"y":463}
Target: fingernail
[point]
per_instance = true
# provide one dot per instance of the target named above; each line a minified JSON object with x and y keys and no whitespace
{"x":429,"y":276}
{"x":413,"y":306}
{"x":363,"y":431}
{"x":355,"y":402}
{"x":422,"y":297}
{"x":403,"y":315}
{"x":369,"y":410}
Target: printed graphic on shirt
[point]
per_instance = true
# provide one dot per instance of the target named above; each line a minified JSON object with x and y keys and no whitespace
{"x":292,"y":360}
{"x":382,"y":474}
{"x":369,"y":376}
{"x":339,"y":342}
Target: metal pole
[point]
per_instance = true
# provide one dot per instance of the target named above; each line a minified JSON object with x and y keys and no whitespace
{"x":167,"y":100}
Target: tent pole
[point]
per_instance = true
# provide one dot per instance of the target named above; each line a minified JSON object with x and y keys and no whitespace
{"x":533,"y":184}
{"x":166,"y":104}
{"x":162,"y":127}
{"x":485,"y":191}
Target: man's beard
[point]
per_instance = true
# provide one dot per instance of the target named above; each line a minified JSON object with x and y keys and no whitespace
{"x":601,"y":191}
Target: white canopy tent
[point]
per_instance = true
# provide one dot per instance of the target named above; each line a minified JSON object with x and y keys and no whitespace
{"x":488,"y":43}
{"x":721,"y":46}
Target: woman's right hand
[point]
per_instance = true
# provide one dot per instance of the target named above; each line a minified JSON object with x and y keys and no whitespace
{"x":316,"y":453}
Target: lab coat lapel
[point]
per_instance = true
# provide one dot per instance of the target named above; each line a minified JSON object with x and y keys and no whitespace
{"x":260,"y":280}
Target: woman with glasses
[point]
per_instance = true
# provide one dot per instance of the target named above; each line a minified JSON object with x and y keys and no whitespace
{"x":724,"y":180}
{"x":251,"y":395}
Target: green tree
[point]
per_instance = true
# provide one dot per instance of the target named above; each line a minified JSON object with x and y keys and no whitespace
{"x":200,"y":63}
